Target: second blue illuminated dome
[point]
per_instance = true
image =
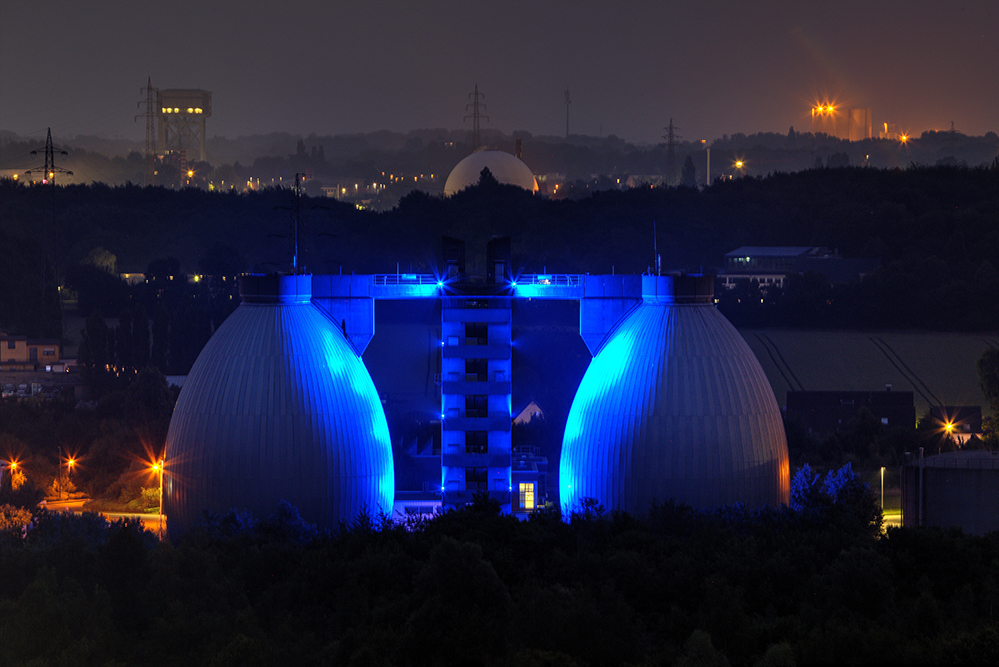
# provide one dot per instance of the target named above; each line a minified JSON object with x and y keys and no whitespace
{"x":674,"y":406}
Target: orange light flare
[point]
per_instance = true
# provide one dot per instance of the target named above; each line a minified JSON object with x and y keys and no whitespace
{"x":948,"y":425}
{"x":826,"y":108}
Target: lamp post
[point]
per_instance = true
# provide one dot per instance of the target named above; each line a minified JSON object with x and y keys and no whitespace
{"x":158,"y":468}
{"x":70,"y":462}
{"x":882,"y":489}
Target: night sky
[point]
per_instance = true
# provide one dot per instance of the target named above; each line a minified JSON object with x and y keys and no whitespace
{"x":305,"y":66}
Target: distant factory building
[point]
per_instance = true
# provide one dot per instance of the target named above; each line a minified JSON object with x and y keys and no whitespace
{"x":952,"y":489}
{"x":848,"y":124}
{"x":181,"y":115}
{"x":831,"y":411}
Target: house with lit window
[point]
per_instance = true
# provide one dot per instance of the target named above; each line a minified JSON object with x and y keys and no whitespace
{"x":19,"y":353}
{"x":769,"y":266}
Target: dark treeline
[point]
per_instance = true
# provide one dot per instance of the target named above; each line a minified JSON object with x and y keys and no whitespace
{"x":932,"y":228}
{"x":814,"y":582}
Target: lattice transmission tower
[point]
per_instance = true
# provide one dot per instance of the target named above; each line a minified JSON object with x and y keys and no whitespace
{"x":150,"y":116}
{"x":49,"y":266}
{"x":671,"y":138}
{"x":476,"y":115}
{"x":50,"y":168}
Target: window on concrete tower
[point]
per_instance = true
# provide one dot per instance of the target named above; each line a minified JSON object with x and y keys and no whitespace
{"x":527,"y":495}
{"x":476,"y":479}
{"x":476,"y":370}
{"x":476,"y":333}
{"x":476,"y":405}
{"x":476,"y":442}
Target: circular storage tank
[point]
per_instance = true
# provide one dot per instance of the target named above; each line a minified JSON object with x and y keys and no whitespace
{"x":278,"y":406}
{"x":674,"y":406}
{"x":504,"y":167}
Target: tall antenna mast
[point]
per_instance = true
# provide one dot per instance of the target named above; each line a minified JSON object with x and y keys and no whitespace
{"x":476,"y":115}
{"x":655,"y":249}
{"x":298,"y":218}
{"x":150,"y":116}
{"x":568,"y":100}
{"x":671,"y":138}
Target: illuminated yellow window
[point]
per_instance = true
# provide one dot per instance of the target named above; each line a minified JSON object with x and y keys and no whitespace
{"x":527,"y":495}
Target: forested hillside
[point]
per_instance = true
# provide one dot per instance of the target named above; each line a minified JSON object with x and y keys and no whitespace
{"x":801,"y":584}
{"x":935,"y":231}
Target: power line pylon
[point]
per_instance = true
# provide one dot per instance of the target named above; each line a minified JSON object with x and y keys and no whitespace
{"x":150,"y":116}
{"x":671,"y":138}
{"x":49,"y":266}
{"x":475,"y":116}
{"x":50,"y":168}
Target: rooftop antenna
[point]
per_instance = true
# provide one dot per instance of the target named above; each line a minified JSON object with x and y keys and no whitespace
{"x":475,"y":116}
{"x":150,"y":115}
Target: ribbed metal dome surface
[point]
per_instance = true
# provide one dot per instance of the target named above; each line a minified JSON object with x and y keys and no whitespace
{"x":674,"y":406}
{"x":278,"y":406}
{"x":504,"y":167}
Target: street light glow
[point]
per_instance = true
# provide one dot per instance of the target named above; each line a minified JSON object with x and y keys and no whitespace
{"x":157,"y":468}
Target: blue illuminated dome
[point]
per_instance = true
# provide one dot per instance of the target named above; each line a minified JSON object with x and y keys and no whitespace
{"x":278,"y":406}
{"x":674,"y":405}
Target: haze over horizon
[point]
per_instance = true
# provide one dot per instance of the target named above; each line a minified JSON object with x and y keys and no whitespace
{"x":302,"y":66}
